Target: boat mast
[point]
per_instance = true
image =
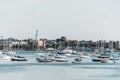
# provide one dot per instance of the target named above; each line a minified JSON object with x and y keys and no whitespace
{"x":3,"y":44}
{"x":83,"y":46}
{"x":18,"y":47}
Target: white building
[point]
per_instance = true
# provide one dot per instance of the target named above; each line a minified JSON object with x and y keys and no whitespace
{"x":41,"y":44}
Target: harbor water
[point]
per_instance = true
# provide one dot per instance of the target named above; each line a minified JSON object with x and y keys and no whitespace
{"x":33,"y":70}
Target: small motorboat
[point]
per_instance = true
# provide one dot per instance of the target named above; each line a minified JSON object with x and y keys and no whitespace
{"x":6,"y":56}
{"x":104,"y":56}
{"x":96,"y":59}
{"x":67,"y":54}
{"x":84,"y":55}
{"x":77,"y":60}
{"x":43,"y":60}
{"x":60,"y":58}
{"x":42,"y":57}
{"x":115,"y":59}
{"x":18,"y":58}
{"x":107,"y":61}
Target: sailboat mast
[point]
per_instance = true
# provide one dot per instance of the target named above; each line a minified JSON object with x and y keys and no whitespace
{"x":18,"y":47}
{"x":83,"y":46}
{"x":3,"y":43}
{"x":36,"y":35}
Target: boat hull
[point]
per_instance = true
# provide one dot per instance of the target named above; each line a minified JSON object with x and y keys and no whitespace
{"x":13,"y":59}
{"x":107,"y":61}
{"x":76,"y":62}
{"x":96,"y":60}
{"x":61,"y":60}
{"x":43,"y":60}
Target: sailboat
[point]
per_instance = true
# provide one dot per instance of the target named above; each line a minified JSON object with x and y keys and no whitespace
{"x":43,"y":57}
{"x":17,"y":57}
{"x":6,"y":55}
{"x":61,"y":58}
{"x":105,"y":55}
{"x":83,"y":54}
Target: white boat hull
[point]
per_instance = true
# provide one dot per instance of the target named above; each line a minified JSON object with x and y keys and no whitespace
{"x":7,"y":57}
{"x":61,"y":60}
{"x":107,"y":61}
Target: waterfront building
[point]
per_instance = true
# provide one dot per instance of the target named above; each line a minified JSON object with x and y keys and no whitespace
{"x":110,"y":44}
{"x":74,"y":44}
{"x":117,"y":44}
{"x":41,"y":44}
{"x":63,"y":38}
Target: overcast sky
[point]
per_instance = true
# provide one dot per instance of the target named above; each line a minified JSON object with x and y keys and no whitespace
{"x":75,"y":19}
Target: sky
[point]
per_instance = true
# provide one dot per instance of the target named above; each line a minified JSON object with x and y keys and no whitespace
{"x":75,"y":19}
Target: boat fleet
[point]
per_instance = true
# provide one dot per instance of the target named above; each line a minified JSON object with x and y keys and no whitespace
{"x":105,"y":56}
{"x":101,"y":55}
{"x":48,"y":57}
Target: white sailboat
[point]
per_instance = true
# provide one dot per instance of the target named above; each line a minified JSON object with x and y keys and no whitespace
{"x":60,"y":58}
{"x":6,"y":55}
{"x":43,"y":56}
{"x":83,"y":54}
{"x":102,"y":53}
{"x":16,"y":57}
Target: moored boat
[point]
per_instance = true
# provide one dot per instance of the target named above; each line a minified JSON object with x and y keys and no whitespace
{"x":107,"y":61}
{"x":43,"y":57}
{"x":96,"y":59}
{"x":6,"y":57}
{"x":60,"y":58}
{"x":82,"y":55}
{"x":43,"y":60}
{"x":115,"y":59}
{"x":77,"y":60}
{"x":18,"y":58}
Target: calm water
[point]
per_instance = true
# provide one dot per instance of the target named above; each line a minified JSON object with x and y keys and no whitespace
{"x":32,"y":70}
